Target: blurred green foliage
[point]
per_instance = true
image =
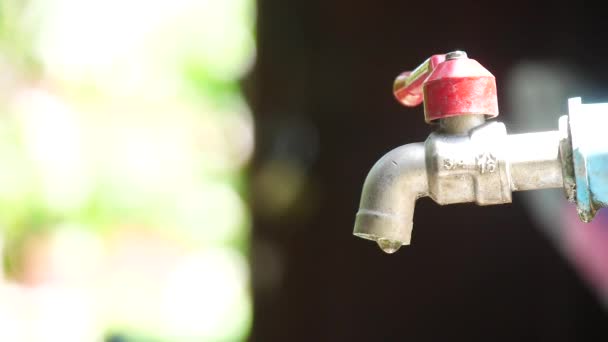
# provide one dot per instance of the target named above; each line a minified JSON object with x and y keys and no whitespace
{"x":116,"y":114}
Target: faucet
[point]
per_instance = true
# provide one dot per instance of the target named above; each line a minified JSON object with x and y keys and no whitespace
{"x":469,"y":158}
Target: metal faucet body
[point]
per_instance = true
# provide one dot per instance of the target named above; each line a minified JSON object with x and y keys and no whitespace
{"x":470,"y":160}
{"x":482,"y":165}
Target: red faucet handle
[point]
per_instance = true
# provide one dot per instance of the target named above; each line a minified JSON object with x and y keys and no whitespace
{"x":450,"y":85}
{"x":408,"y":85}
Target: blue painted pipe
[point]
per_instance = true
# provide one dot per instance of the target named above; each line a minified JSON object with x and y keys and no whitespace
{"x":588,"y":132}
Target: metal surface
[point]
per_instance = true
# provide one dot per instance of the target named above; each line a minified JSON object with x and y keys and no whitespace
{"x":455,"y":55}
{"x":390,"y":192}
{"x":461,"y":124}
{"x":469,"y":168}
{"x":565,"y":154}
{"x":535,"y":160}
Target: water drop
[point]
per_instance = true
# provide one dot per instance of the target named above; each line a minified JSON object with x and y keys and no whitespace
{"x":389,"y":246}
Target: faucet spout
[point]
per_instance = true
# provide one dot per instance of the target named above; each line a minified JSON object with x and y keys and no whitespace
{"x":389,"y":195}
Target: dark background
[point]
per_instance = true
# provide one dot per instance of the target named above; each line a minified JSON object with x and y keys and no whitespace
{"x":321,"y":94}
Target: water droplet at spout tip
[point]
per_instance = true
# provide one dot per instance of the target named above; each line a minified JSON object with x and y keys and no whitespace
{"x":389,"y":246}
